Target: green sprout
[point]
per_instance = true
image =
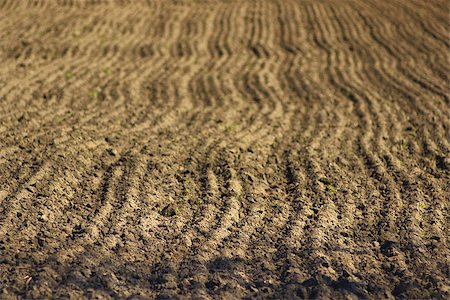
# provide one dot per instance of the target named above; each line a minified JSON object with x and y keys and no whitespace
{"x":187,"y":187}
{"x":404,"y":144}
{"x":331,"y":189}
{"x":422,"y":206}
{"x":69,"y":75}
{"x":94,"y":94}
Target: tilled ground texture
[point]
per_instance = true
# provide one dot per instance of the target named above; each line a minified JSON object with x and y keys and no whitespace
{"x":224,"y":149}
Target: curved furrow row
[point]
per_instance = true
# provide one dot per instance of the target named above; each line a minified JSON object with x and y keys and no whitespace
{"x":264,"y":81}
{"x":357,"y":79}
{"x":250,"y":189}
{"x":62,"y":189}
{"x":122,"y":197}
{"x":321,"y":181}
{"x":436,"y":31}
{"x":152,"y":78}
{"x":107,"y":229}
{"x":211,"y":234}
{"x":55,"y":73}
{"x":333,"y":180}
{"x":342,"y":85}
{"x":252,"y":33}
{"x":257,"y":81}
{"x":286,"y":214}
{"x":235,"y":243}
{"x":224,"y":55}
{"x":399,"y":173}
{"x":239,"y":222}
{"x":124,"y":87}
{"x":392,"y":49}
{"x":418,"y":103}
{"x":187,"y":227}
{"x":425,"y":47}
{"x":399,"y":170}
{"x":201,"y":221}
{"x":15,"y":198}
{"x":426,"y":108}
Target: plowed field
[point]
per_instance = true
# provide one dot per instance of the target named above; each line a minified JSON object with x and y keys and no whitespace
{"x":224,"y":149}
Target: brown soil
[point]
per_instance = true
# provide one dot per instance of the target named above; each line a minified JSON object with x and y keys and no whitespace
{"x":224,"y":149}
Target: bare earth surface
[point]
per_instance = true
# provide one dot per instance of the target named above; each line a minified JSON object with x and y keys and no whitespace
{"x":224,"y":149}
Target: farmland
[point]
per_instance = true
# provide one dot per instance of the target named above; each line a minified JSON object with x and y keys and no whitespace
{"x":224,"y":149}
